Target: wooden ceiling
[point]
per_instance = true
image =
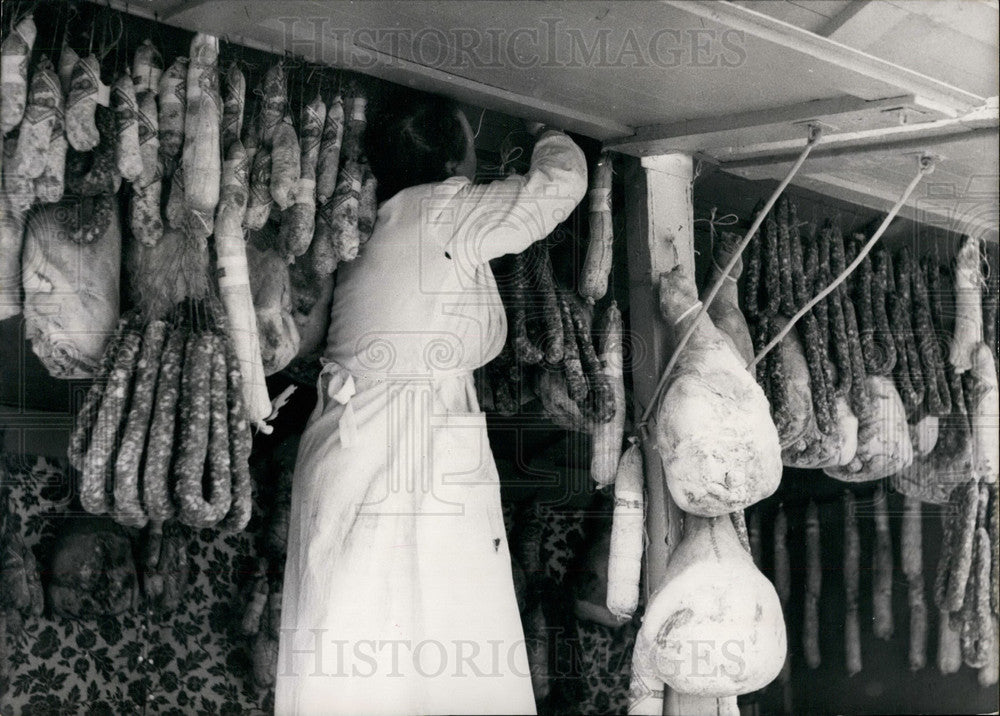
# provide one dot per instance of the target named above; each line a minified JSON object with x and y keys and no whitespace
{"x":734,"y":82}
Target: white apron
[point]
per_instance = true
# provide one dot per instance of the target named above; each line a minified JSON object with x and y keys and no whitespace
{"x":398,"y":595}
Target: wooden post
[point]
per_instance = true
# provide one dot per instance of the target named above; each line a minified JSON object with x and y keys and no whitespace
{"x":659,"y":211}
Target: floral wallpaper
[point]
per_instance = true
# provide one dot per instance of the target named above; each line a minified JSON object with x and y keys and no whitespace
{"x":195,"y":660}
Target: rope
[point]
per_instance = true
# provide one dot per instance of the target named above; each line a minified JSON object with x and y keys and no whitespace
{"x":926,"y":167}
{"x":815,"y":132}
{"x":727,"y":220}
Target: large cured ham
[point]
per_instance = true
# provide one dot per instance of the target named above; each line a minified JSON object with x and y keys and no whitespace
{"x":715,"y":435}
{"x":714,"y":628}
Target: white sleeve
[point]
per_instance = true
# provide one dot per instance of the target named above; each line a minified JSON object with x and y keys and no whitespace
{"x":508,"y":215}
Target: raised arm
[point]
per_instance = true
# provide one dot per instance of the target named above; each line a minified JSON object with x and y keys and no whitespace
{"x":508,"y":215}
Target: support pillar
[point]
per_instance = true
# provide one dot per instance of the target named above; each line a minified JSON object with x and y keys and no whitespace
{"x":659,"y":211}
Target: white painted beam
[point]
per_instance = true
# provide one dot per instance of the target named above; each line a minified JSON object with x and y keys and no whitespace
{"x":925,"y":135}
{"x":778,"y":124}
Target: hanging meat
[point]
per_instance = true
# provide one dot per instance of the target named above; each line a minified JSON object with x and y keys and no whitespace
{"x":607,"y":436}
{"x":625,"y":555}
{"x":968,"y":305}
{"x":725,"y":309}
{"x":298,"y":222}
{"x":14,"y":54}
{"x":86,"y":92}
{"x":70,"y":341}
{"x":597,"y":262}
{"x":234,"y":282}
{"x":269,"y":282}
{"x":718,"y":444}
{"x":711,"y":592}
{"x":147,"y":68}
{"x":172,"y":97}
{"x":884,"y":446}
{"x":44,"y":111}
{"x":202,"y":156}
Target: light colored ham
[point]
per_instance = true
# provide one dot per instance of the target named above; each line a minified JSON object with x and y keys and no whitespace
{"x":714,"y":628}
{"x":717,"y":441}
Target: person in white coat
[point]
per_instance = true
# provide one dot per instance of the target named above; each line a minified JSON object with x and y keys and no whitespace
{"x":398,"y":593}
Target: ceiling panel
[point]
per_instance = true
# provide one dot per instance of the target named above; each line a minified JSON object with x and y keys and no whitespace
{"x":594,"y":67}
{"x":649,"y":62}
{"x":952,"y":40}
{"x":810,"y":15}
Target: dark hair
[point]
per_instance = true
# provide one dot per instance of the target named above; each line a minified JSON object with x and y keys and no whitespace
{"x":413,"y":144}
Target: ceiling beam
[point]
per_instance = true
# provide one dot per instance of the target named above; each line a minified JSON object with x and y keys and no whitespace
{"x":835,"y":54}
{"x":984,"y":121}
{"x":863,"y":23}
{"x":746,"y":129}
{"x":913,"y":142}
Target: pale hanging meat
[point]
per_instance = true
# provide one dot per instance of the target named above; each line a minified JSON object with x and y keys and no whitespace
{"x":718,"y":444}
{"x":884,"y":446}
{"x":712,"y":594}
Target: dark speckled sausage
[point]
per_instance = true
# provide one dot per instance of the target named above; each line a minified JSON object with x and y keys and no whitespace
{"x":160,"y":445}
{"x":239,"y":448}
{"x":94,"y":488}
{"x":195,"y":424}
{"x":128,"y":509}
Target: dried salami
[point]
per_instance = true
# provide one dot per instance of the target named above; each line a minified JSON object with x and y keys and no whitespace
{"x":195,"y":419}
{"x":87,"y":414}
{"x":852,"y":552}
{"x":882,"y":570}
{"x":42,"y":115}
{"x":937,"y":397}
{"x":233,"y":106}
{"x":963,"y":545}
{"x":147,"y":68}
{"x":160,"y":444}
{"x":259,"y":202}
{"x":576,"y":380}
{"x":240,"y":443}
{"x":328,"y":161}
{"x":14,"y":54}
{"x":341,"y":212}
{"x":128,"y":508}
{"x":170,"y":121}
{"x":354,"y":129}
{"x":524,"y":348}
{"x":95,"y":490}
{"x":149,"y":139}
{"x":786,"y":284}
{"x":600,"y":404}
{"x":274,"y":94}
{"x":86,"y":91}
{"x":884,"y":342}
{"x":144,"y":214}
{"x":298,"y":222}
{"x":751,"y":285}
{"x":219,"y":470}
{"x":128,"y":158}
{"x":552,"y":322}
{"x":49,"y":187}
{"x":367,"y":203}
